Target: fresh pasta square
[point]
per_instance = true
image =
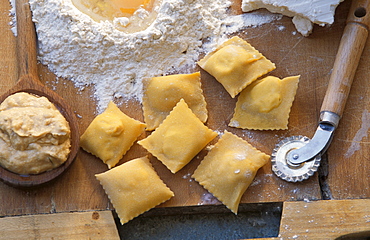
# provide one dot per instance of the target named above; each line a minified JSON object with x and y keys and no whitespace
{"x":236,"y":64}
{"x":229,"y":168}
{"x":179,"y":138}
{"x":111,"y":134}
{"x":265,"y":104}
{"x":134,"y":188}
{"x":161,"y":94}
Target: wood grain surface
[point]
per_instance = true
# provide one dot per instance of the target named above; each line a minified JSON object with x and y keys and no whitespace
{"x":78,"y":225}
{"x":347,"y":175}
{"x":333,"y":219}
{"x":325,"y":219}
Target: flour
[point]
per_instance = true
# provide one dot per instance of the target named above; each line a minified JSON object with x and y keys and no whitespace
{"x":254,"y":19}
{"x":360,"y":134}
{"x":13,"y":22}
{"x":113,"y":62}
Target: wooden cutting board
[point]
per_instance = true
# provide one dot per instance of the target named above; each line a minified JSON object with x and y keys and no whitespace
{"x":77,"y":225}
{"x":310,"y":57}
{"x":343,"y":219}
{"x":300,"y":220}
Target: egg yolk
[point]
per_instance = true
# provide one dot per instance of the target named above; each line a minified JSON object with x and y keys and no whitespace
{"x":130,"y":6}
{"x":109,"y":9}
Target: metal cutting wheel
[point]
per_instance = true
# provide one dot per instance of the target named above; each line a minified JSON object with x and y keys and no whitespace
{"x":292,"y":172}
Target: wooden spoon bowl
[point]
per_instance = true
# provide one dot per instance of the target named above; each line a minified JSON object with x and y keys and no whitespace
{"x":28,"y":82}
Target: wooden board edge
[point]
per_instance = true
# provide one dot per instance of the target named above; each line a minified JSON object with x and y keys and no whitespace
{"x":324,"y":219}
{"x":75,"y":225}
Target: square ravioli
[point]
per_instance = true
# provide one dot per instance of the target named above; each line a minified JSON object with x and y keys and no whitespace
{"x":229,"y":168}
{"x":179,"y":138}
{"x":111,"y":134}
{"x":134,"y":188}
{"x":161,"y":94}
{"x":236,"y":64}
{"x":265,"y":104}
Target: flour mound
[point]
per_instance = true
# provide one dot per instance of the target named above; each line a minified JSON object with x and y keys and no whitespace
{"x":115,"y":63}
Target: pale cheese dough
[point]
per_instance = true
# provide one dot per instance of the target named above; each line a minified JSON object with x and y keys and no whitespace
{"x":179,"y":138}
{"x":134,"y":188}
{"x":229,"y":168}
{"x":161,"y":94}
{"x":34,"y":136}
{"x":111,"y":134}
{"x":236,"y":64}
{"x":265,"y":104}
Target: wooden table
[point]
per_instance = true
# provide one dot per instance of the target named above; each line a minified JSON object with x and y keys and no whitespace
{"x":346,"y":175}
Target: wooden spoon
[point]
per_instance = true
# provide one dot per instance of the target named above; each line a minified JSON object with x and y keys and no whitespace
{"x":28,"y":82}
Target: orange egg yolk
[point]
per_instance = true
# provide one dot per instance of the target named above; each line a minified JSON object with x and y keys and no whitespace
{"x":130,"y":6}
{"x":109,"y":9}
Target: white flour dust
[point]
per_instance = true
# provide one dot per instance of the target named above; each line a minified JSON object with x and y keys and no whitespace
{"x":114,"y":63}
{"x":360,"y":134}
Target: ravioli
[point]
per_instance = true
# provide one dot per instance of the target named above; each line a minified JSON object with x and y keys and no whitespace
{"x":134,"y":188}
{"x":161,"y":94}
{"x":229,"y":168}
{"x":236,"y":64}
{"x":179,"y":138}
{"x":265,"y":104}
{"x":111,"y":134}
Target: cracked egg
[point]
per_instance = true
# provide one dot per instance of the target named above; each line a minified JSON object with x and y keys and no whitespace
{"x":127,"y":15}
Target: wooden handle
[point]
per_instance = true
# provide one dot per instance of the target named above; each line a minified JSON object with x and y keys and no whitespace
{"x":26,"y":40}
{"x":350,"y":50}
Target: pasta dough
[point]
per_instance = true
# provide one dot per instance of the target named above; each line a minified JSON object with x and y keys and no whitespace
{"x":111,"y":134}
{"x":179,"y":138}
{"x":161,"y":94}
{"x":229,"y":168}
{"x":236,"y":64}
{"x":265,"y":104}
{"x":134,"y":188}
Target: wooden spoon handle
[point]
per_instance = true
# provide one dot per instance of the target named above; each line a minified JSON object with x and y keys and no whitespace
{"x":350,"y":50}
{"x":26,"y":40}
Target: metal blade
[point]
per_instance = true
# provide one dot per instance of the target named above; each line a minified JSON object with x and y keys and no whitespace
{"x":288,"y":171}
{"x":318,"y":144}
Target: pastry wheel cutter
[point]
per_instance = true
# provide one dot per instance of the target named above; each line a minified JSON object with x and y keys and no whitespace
{"x":297,"y":158}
